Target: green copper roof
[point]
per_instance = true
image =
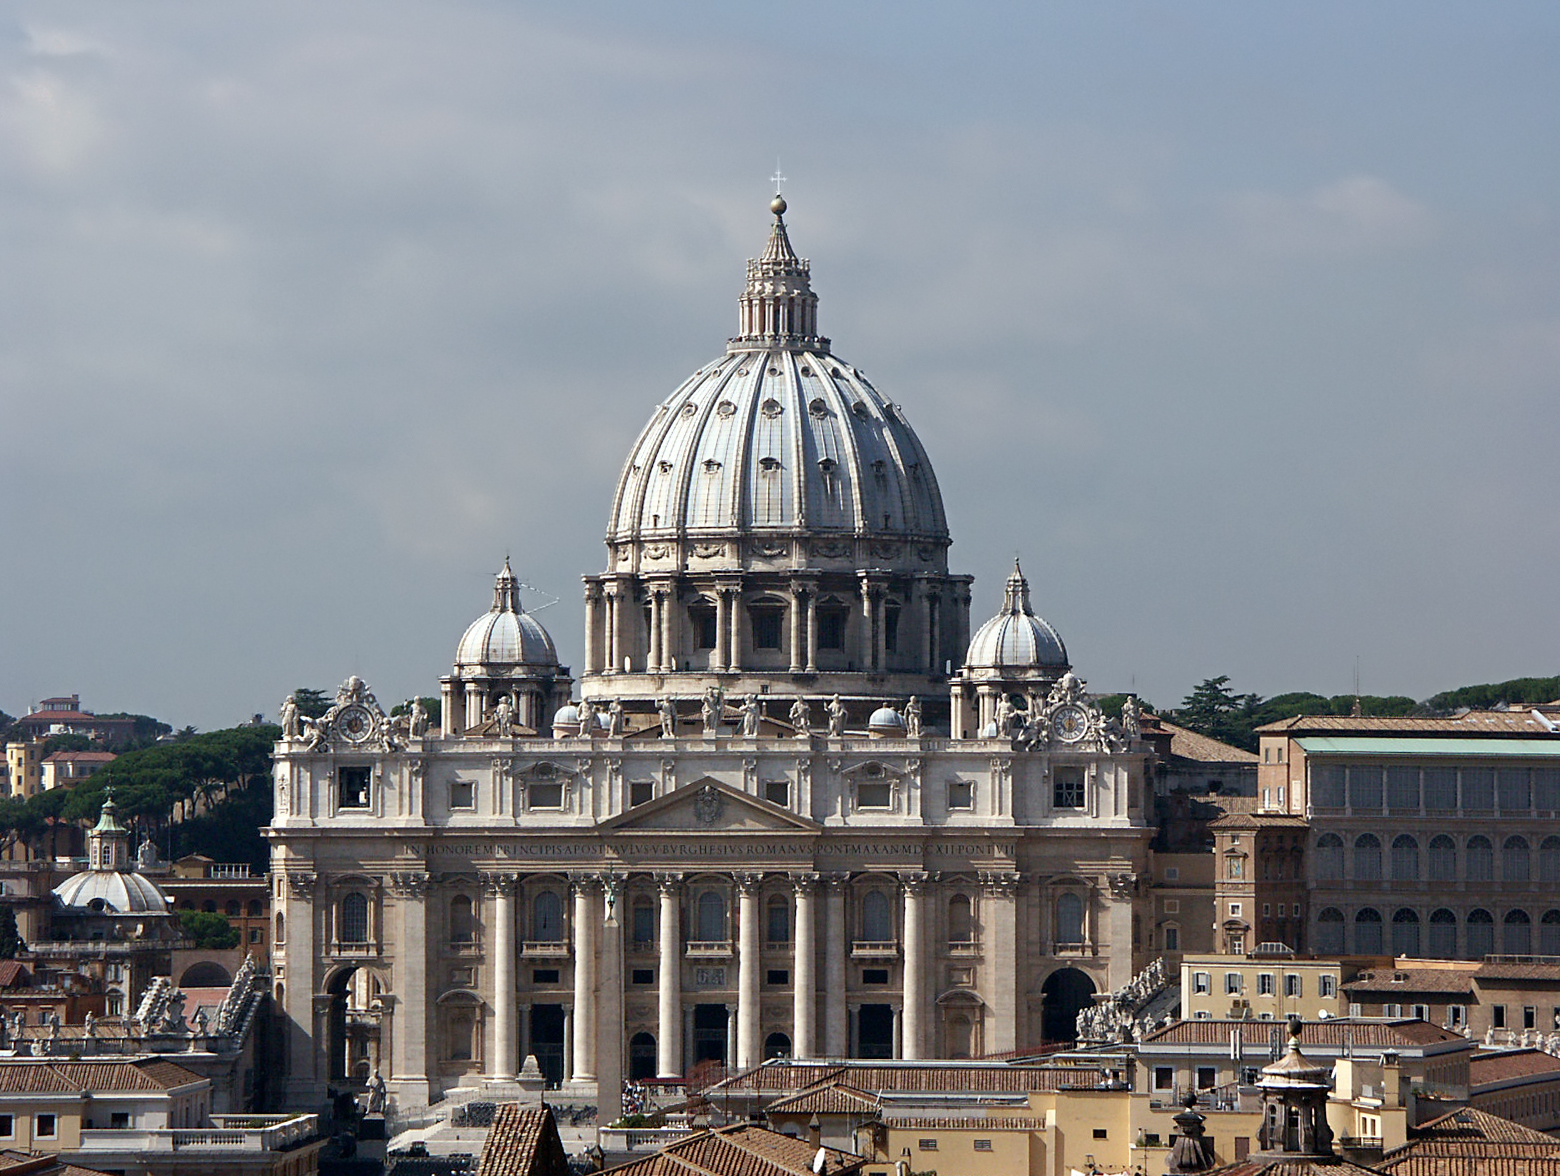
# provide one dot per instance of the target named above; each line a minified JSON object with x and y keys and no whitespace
{"x":1440,"y":748}
{"x":107,"y":822}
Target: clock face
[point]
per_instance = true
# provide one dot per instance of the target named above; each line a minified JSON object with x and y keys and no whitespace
{"x":355,"y":724}
{"x":1069,"y":723}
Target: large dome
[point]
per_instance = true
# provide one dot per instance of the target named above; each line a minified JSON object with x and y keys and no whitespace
{"x":778,"y":437}
{"x":506,"y":635}
{"x":118,"y":891}
{"x":1015,"y":640}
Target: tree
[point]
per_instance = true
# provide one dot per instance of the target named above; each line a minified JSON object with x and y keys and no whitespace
{"x":1213,"y":709}
{"x":209,"y":930}
{"x":67,"y":742}
{"x":10,"y":939}
{"x":311,"y":704}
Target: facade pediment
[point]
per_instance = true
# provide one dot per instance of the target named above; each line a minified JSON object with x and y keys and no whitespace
{"x":708,"y":806}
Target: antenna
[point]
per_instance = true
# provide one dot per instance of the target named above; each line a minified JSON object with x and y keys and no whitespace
{"x":551,"y":599}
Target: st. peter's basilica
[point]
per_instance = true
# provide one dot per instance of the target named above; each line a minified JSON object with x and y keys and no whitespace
{"x":798,"y":809}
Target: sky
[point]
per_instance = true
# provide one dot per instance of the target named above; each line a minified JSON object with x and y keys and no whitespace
{"x":1239,"y":323}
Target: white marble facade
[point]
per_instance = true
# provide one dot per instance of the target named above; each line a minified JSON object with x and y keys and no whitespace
{"x":946,"y":867}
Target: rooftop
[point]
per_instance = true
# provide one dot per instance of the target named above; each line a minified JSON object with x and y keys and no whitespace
{"x":741,"y":1150}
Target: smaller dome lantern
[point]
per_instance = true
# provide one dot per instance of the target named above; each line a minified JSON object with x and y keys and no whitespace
{"x":1016,"y":641}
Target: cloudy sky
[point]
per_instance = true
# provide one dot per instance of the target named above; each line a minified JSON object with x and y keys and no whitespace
{"x":1241,"y":323}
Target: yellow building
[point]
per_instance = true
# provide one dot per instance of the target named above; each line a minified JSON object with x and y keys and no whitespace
{"x":24,"y":768}
{"x":1261,"y":986}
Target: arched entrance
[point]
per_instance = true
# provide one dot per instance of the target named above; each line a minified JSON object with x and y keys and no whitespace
{"x":641,"y":1057}
{"x":337,"y":1047}
{"x":1065,"y":993}
{"x":777,"y":1045}
{"x":206,"y":974}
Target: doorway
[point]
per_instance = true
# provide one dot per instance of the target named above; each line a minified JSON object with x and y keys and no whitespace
{"x":709,"y":1033}
{"x":547,"y":1041}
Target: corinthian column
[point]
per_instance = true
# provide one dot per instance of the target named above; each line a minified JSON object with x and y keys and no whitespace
{"x":585,"y":922}
{"x":722,"y":631}
{"x":592,"y":628}
{"x":501,"y":1063}
{"x":914,"y":1046}
{"x":668,"y":1040}
{"x":747,"y":971}
{"x":804,"y":990}
{"x":836,"y":1016}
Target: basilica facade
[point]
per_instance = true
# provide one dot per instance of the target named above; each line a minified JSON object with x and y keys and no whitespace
{"x":797,"y":808}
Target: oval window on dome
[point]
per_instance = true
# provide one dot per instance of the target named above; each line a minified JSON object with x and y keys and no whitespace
{"x":769,"y":464}
{"x":711,"y":466}
{"x":689,"y":409}
{"x":771,"y":408}
{"x":742,"y":371}
{"x":859,"y":408}
{"x":836,"y":373}
{"x":806,"y":371}
{"x":818,"y":408}
{"x":725,"y":409}
{"x":774,"y":371}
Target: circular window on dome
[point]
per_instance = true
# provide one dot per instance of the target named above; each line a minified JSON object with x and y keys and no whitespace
{"x":770,"y":408}
{"x":806,"y":371}
{"x":725,"y":409}
{"x":742,"y":371}
{"x":689,"y":409}
{"x":774,"y":371}
{"x":818,"y":408}
{"x":836,"y":373}
{"x":859,"y":408}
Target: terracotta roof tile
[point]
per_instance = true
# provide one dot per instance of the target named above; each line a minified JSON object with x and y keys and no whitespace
{"x":1508,"y":1064}
{"x":1458,"y":981}
{"x":1500,"y":970}
{"x":1194,"y":745}
{"x":1468,"y":1141}
{"x":29,"y":1077}
{"x":832,"y":1099}
{"x":1333,"y":1033}
{"x":523,"y":1142}
{"x":741,"y":1150}
{"x":1514,"y":722}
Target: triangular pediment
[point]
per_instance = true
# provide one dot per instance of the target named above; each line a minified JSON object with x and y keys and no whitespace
{"x":708,"y":806}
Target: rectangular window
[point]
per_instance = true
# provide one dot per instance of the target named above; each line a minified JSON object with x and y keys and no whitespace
{"x":766,"y":627}
{"x":1327,"y":986}
{"x":1456,"y":1015}
{"x":1498,"y":1016}
{"x":544,"y":976}
{"x":1099,"y":1133}
{"x":1200,"y":982}
{"x":1420,"y":1011}
{"x":1392,"y":1010}
{"x":1264,"y":983}
{"x":831,"y":628}
{"x":872,"y":795}
{"x":1267,"y":910}
{"x":1235,"y":909}
{"x":119,"y":1120}
{"x":352,"y":787}
{"x":1172,"y":938}
{"x":961,"y":794}
{"x":1529,"y":1017}
{"x":254,"y":935}
{"x":541,"y":795}
{"x":1354,"y":1008}
{"x":463,"y":794}
{"x":982,"y":1145}
{"x":640,"y":792}
{"x":1232,"y":984}
{"x":778,"y":792}
{"x":45,"y":1126}
{"x":702,"y":618}
{"x":642,"y":976}
{"x":1164,"y":1077}
{"x":1292,"y":984}
{"x":874,"y":975}
{"x":7,"y":1126}
{"x":777,"y":977}
{"x":926,"y":1144}
{"x":1067,"y":790}
{"x":1207,"y":1077}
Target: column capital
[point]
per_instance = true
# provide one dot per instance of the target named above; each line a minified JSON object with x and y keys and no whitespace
{"x":302,"y":885}
{"x":804,"y":881}
{"x":837,"y":882}
{"x":1000,"y":883}
{"x":914,"y":881}
{"x":669,"y":882}
{"x":585,"y":882}
{"x":412,"y":884}
{"x":748,"y":881}
{"x":494,"y":885}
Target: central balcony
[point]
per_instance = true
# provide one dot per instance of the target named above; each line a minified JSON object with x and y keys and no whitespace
{"x":874,"y":949}
{"x":545,"y":949}
{"x":709,"y":949}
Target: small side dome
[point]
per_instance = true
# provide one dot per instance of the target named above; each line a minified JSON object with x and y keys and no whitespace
{"x":886,"y":722}
{"x":1015,"y":639}
{"x":121,"y":893}
{"x":506,"y":635}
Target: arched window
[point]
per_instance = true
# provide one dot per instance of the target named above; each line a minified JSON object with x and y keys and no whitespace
{"x":256,"y":908}
{"x":1481,"y":934}
{"x":642,"y":921}
{"x":1549,"y":860}
{"x":1329,"y":932}
{"x":1405,"y":859}
{"x":1549,"y":933}
{"x":961,"y":927}
{"x":777,"y":1045}
{"x":1443,"y":935}
{"x":1443,"y":859}
{"x":1518,"y":934}
{"x":1514,"y":860}
{"x":1367,"y":857}
{"x":877,"y":921}
{"x":354,"y":918}
{"x":209,"y":906}
{"x":1405,"y":932}
{"x":641,"y":1057}
{"x":463,"y":1027}
{"x":779,"y":927}
{"x":461,"y":928}
{"x":1329,"y":857}
{"x":1367,"y":932}
{"x":710,"y":917}
{"x":547,"y":917}
{"x":1069,"y":918}
{"x":1481,"y":859}
{"x":281,"y":927}
{"x":234,"y":908}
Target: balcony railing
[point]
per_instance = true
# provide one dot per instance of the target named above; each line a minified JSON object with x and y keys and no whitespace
{"x":874,"y":949}
{"x":964,"y":947}
{"x":545,"y":949}
{"x":255,"y":1133}
{"x":709,"y":949}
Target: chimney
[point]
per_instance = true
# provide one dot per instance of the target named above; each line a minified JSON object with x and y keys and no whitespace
{"x":814,"y":1131}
